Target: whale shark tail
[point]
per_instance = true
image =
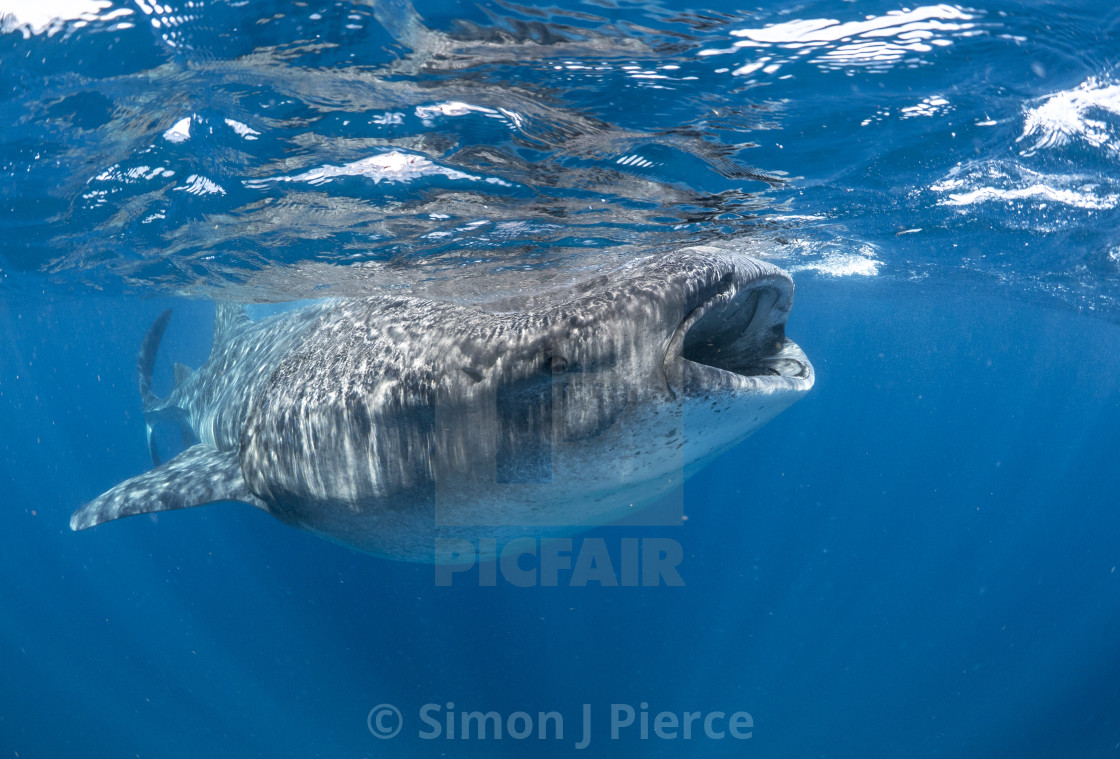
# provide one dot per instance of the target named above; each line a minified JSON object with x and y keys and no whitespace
{"x":146,"y":363}
{"x":229,"y":320}
{"x":156,"y":408}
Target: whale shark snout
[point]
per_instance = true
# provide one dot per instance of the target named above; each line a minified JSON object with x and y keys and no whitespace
{"x":388,"y":422}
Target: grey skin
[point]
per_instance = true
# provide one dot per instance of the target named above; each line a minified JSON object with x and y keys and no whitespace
{"x":389,"y":422}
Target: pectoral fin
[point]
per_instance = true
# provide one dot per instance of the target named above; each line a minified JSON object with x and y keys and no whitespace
{"x":199,"y":475}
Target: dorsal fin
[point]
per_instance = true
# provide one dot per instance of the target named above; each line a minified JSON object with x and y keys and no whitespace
{"x":182,"y":373}
{"x":228,"y":321}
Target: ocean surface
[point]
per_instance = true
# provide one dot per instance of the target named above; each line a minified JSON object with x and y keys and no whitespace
{"x":917,"y":559}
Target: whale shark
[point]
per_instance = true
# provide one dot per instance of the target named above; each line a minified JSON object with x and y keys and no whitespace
{"x":391,"y":422}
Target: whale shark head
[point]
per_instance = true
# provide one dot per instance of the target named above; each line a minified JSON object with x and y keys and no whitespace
{"x":659,"y":367}
{"x":698,"y":331}
{"x":390,"y":422}
{"x":694,"y":324}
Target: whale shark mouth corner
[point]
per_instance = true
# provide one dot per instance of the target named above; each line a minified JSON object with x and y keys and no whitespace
{"x":734,"y":342}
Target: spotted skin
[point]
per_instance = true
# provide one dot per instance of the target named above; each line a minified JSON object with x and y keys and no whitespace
{"x":197,"y":476}
{"x":387,"y":422}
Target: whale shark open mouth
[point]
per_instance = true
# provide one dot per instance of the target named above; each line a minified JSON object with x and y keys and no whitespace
{"x":735,"y":340}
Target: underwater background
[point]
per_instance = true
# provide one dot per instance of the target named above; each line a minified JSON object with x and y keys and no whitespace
{"x":919,"y":558}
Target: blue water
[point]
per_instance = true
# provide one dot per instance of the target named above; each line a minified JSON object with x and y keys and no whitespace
{"x":919,"y":558}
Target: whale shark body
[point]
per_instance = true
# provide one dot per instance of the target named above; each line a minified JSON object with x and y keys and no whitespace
{"x":393,"y":421}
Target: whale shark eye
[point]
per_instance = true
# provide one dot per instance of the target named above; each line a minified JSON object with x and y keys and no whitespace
{"x":557,"y":365}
